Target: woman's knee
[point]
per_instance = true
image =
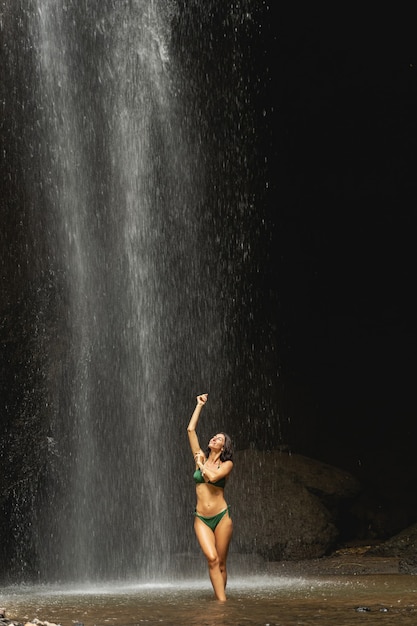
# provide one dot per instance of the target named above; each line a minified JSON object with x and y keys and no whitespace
{"x":222,"y":564}
{"x":213,"y":560}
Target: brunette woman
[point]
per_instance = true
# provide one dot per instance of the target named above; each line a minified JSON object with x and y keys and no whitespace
{"x":213,"y":525}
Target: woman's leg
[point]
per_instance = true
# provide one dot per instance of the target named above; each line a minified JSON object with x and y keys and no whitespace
{"x":222,"y":537}
{"x":206,"y":540}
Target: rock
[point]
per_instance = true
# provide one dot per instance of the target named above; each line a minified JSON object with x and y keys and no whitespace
{"x":402,"y":545}
{"x":286,"y":507}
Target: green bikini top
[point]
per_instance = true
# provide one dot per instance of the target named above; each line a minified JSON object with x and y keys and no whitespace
{"x":199,"y":478}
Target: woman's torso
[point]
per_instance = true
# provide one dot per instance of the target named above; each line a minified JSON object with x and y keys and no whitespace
{"x":210,"y":498}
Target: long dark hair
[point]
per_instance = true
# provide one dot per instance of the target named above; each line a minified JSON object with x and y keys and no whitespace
{"x":227,"y":452}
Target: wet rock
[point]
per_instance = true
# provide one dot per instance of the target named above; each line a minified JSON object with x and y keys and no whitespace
{"x":403,"y":546}
{"x":9,"y":622}
{"x":34,"y":622}
{"x":286,"y":507}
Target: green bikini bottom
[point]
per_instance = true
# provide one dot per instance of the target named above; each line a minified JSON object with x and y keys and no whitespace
{"x":212,"y":522}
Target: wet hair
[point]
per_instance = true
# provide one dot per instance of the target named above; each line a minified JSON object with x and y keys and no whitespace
{"x":227,"y":452}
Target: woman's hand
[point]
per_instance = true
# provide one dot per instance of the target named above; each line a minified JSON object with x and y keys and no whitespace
{"x":202,"y":399}
{"x":199,"y":459}
{"x":192,"y":435}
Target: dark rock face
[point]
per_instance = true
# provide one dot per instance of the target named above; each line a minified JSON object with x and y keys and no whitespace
{"x":404,"y":546}
{"x":31,"y":356}
{"x":287,"y":507}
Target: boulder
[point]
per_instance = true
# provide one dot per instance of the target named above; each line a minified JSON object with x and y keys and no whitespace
{"x":286,"y":506}
{"x":402,"y":545}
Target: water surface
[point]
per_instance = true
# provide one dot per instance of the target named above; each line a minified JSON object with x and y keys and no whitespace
{"x":257,"y":600}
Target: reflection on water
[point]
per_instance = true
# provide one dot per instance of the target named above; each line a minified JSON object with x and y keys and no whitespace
{"x":273,"y":600}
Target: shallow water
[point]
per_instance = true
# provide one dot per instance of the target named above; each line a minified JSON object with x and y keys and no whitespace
{"x":257,"y":600}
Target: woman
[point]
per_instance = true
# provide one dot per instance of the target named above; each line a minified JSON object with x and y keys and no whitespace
{"x":213,"y":524}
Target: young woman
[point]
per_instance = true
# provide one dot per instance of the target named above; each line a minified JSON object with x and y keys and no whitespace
{"x":213,"y":524}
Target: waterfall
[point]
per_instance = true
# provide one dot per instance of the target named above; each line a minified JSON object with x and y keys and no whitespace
{"x":120,"y":228}
{"x":144,"y":252}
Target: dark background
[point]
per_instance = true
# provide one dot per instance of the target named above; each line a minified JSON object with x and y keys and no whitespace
{"x":332,"y":163}
{"x":342,"y":211}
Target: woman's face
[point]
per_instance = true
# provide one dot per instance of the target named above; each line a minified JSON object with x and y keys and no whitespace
{"x":216,"y":442}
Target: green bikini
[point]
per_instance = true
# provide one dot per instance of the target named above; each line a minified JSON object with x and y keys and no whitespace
{"x":213,"y":521}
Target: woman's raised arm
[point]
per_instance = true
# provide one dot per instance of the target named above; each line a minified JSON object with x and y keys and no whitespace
{"x":192,"y":435}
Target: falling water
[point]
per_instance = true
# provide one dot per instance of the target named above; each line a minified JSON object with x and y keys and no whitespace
{"x":137,"y":253}
{"x":113,"y":156}
{"x":119,"y":227}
